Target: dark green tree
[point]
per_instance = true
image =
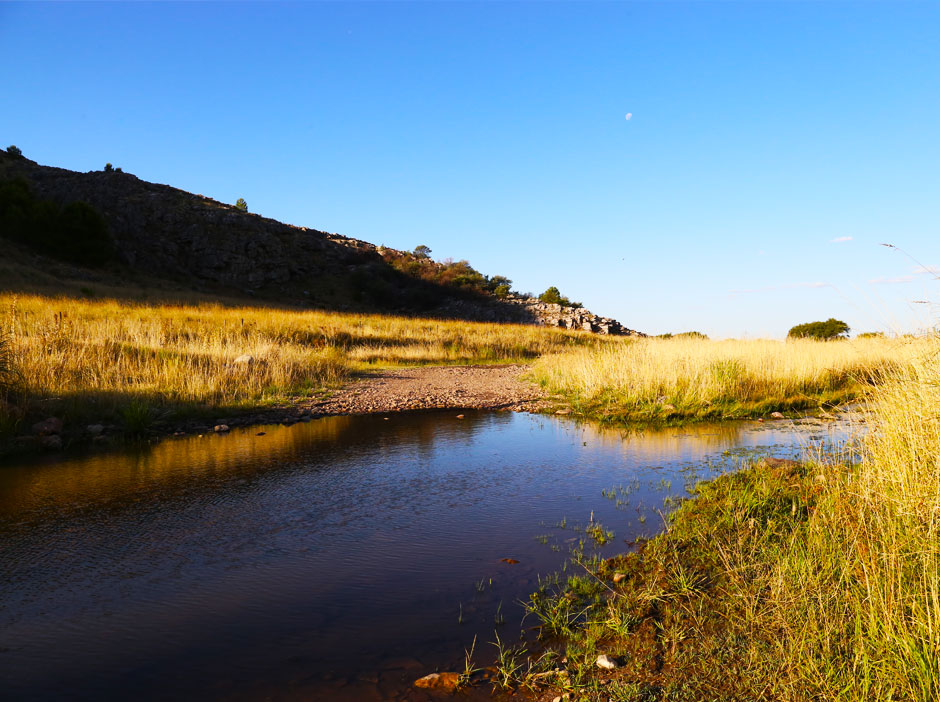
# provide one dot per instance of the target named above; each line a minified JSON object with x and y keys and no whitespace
{"x":108,"y":168}
{"x":422,"y":251}
{"x":824,"y":331}
{"x":14,"y":151}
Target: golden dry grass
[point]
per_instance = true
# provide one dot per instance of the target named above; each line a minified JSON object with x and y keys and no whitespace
{"x":650,"y":379}
{"x":107,"y":353}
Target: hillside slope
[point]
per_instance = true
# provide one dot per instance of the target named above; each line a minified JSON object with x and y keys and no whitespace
{"x":209,"y":246}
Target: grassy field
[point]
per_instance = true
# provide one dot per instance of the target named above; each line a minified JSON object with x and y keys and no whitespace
{"x":125,"y":361}
{"x":689,"y":378}
{"x":811,"y":581}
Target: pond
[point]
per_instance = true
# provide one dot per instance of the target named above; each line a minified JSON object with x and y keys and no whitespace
{"x":338,"y":559}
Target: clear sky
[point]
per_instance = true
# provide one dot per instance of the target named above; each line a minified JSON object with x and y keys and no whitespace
{"x":771,"y":146}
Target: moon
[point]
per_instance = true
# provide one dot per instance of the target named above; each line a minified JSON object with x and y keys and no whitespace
{"x":629,"y":115}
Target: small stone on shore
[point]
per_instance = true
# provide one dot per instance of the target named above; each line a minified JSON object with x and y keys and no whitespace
{"x":606,"y":662}
{"x":220,"y":428}
{"x":439,"y":681}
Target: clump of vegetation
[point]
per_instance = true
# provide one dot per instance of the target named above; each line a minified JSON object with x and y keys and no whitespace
{"x":241,"y":204}
{"x":553,"y":296}
{"x":656,"y":380}
{"x":822,"y":331}
{"x":454,"y":274}
{"x":683,"y":335}
{"x":14,"y":151}
{"x":75,"y":233}
{"x":785,"y":581}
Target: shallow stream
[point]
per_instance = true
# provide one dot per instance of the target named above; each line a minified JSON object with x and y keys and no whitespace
{"x":338,"y":559}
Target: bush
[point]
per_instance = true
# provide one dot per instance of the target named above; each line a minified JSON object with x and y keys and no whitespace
{"x":823,"y":331}
{"x":553,"y":296}
{"x":74,"y":233}
{"x":241,"y":204}
{"x":14,"y":151}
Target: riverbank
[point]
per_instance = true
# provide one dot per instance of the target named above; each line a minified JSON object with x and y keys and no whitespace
{"x":784,"y":581}
{"x":133,"y":369}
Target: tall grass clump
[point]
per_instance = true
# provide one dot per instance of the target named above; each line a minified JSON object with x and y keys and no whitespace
{"x":650,"y":379}
{"x":859,"y":592}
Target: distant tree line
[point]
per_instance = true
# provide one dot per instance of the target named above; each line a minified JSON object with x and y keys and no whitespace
{"x":76,"y":232}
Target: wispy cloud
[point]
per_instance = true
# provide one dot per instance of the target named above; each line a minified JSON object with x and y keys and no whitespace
{"x":629,"y":116}
{"x":840,"y":240}
{"x":927,"y":270}
{"x":784,"y":286}
{"x":891,"y":281}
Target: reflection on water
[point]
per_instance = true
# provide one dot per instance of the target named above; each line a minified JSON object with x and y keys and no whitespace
{"x":337,"y":559}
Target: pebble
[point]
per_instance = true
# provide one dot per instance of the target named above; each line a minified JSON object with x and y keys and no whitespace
{"x":220,"y":428}
{"x":606,"y":662}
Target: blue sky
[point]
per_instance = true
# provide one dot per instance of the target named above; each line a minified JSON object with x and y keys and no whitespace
{"x":771,"y":147}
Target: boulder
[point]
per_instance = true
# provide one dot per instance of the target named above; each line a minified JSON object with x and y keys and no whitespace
{"x":48,"y":427}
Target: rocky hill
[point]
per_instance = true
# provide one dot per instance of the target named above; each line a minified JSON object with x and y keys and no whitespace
{"x":212,"y":246}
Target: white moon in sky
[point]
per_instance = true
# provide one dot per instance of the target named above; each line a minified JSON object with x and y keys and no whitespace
{"x":629,"y":115}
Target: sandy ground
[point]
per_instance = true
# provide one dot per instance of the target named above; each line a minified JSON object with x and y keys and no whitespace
{"x":457,"y":387}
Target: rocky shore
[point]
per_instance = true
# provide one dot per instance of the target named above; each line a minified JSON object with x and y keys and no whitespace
{"x":394,"y":390}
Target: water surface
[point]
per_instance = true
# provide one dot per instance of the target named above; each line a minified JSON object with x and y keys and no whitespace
{"x":333,"y":560}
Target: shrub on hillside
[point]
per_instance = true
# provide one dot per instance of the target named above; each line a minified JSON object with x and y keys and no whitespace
{"x":241,"y":204}
{"x":553,"y":296}
{"x":823,"y":331}
{"x":14,"y":151}
{"x":74,"y":233}
{"x":454,"y":274}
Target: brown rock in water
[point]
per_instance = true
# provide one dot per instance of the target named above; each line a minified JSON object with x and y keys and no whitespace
{"x":777,"y":415}
{"x":220,"y":428}
{"x":510,"y":561}
{"x":47,"y":427}
{"x":563,"y":411}
{"x":439,"y":681}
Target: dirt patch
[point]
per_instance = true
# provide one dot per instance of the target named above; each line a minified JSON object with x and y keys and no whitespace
{"x":456,"y":387}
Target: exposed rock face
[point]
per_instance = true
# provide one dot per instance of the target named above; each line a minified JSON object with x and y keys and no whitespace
{"x":166,"y":231}
{"x":170,"y":233}
{"x":554,"y":315}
